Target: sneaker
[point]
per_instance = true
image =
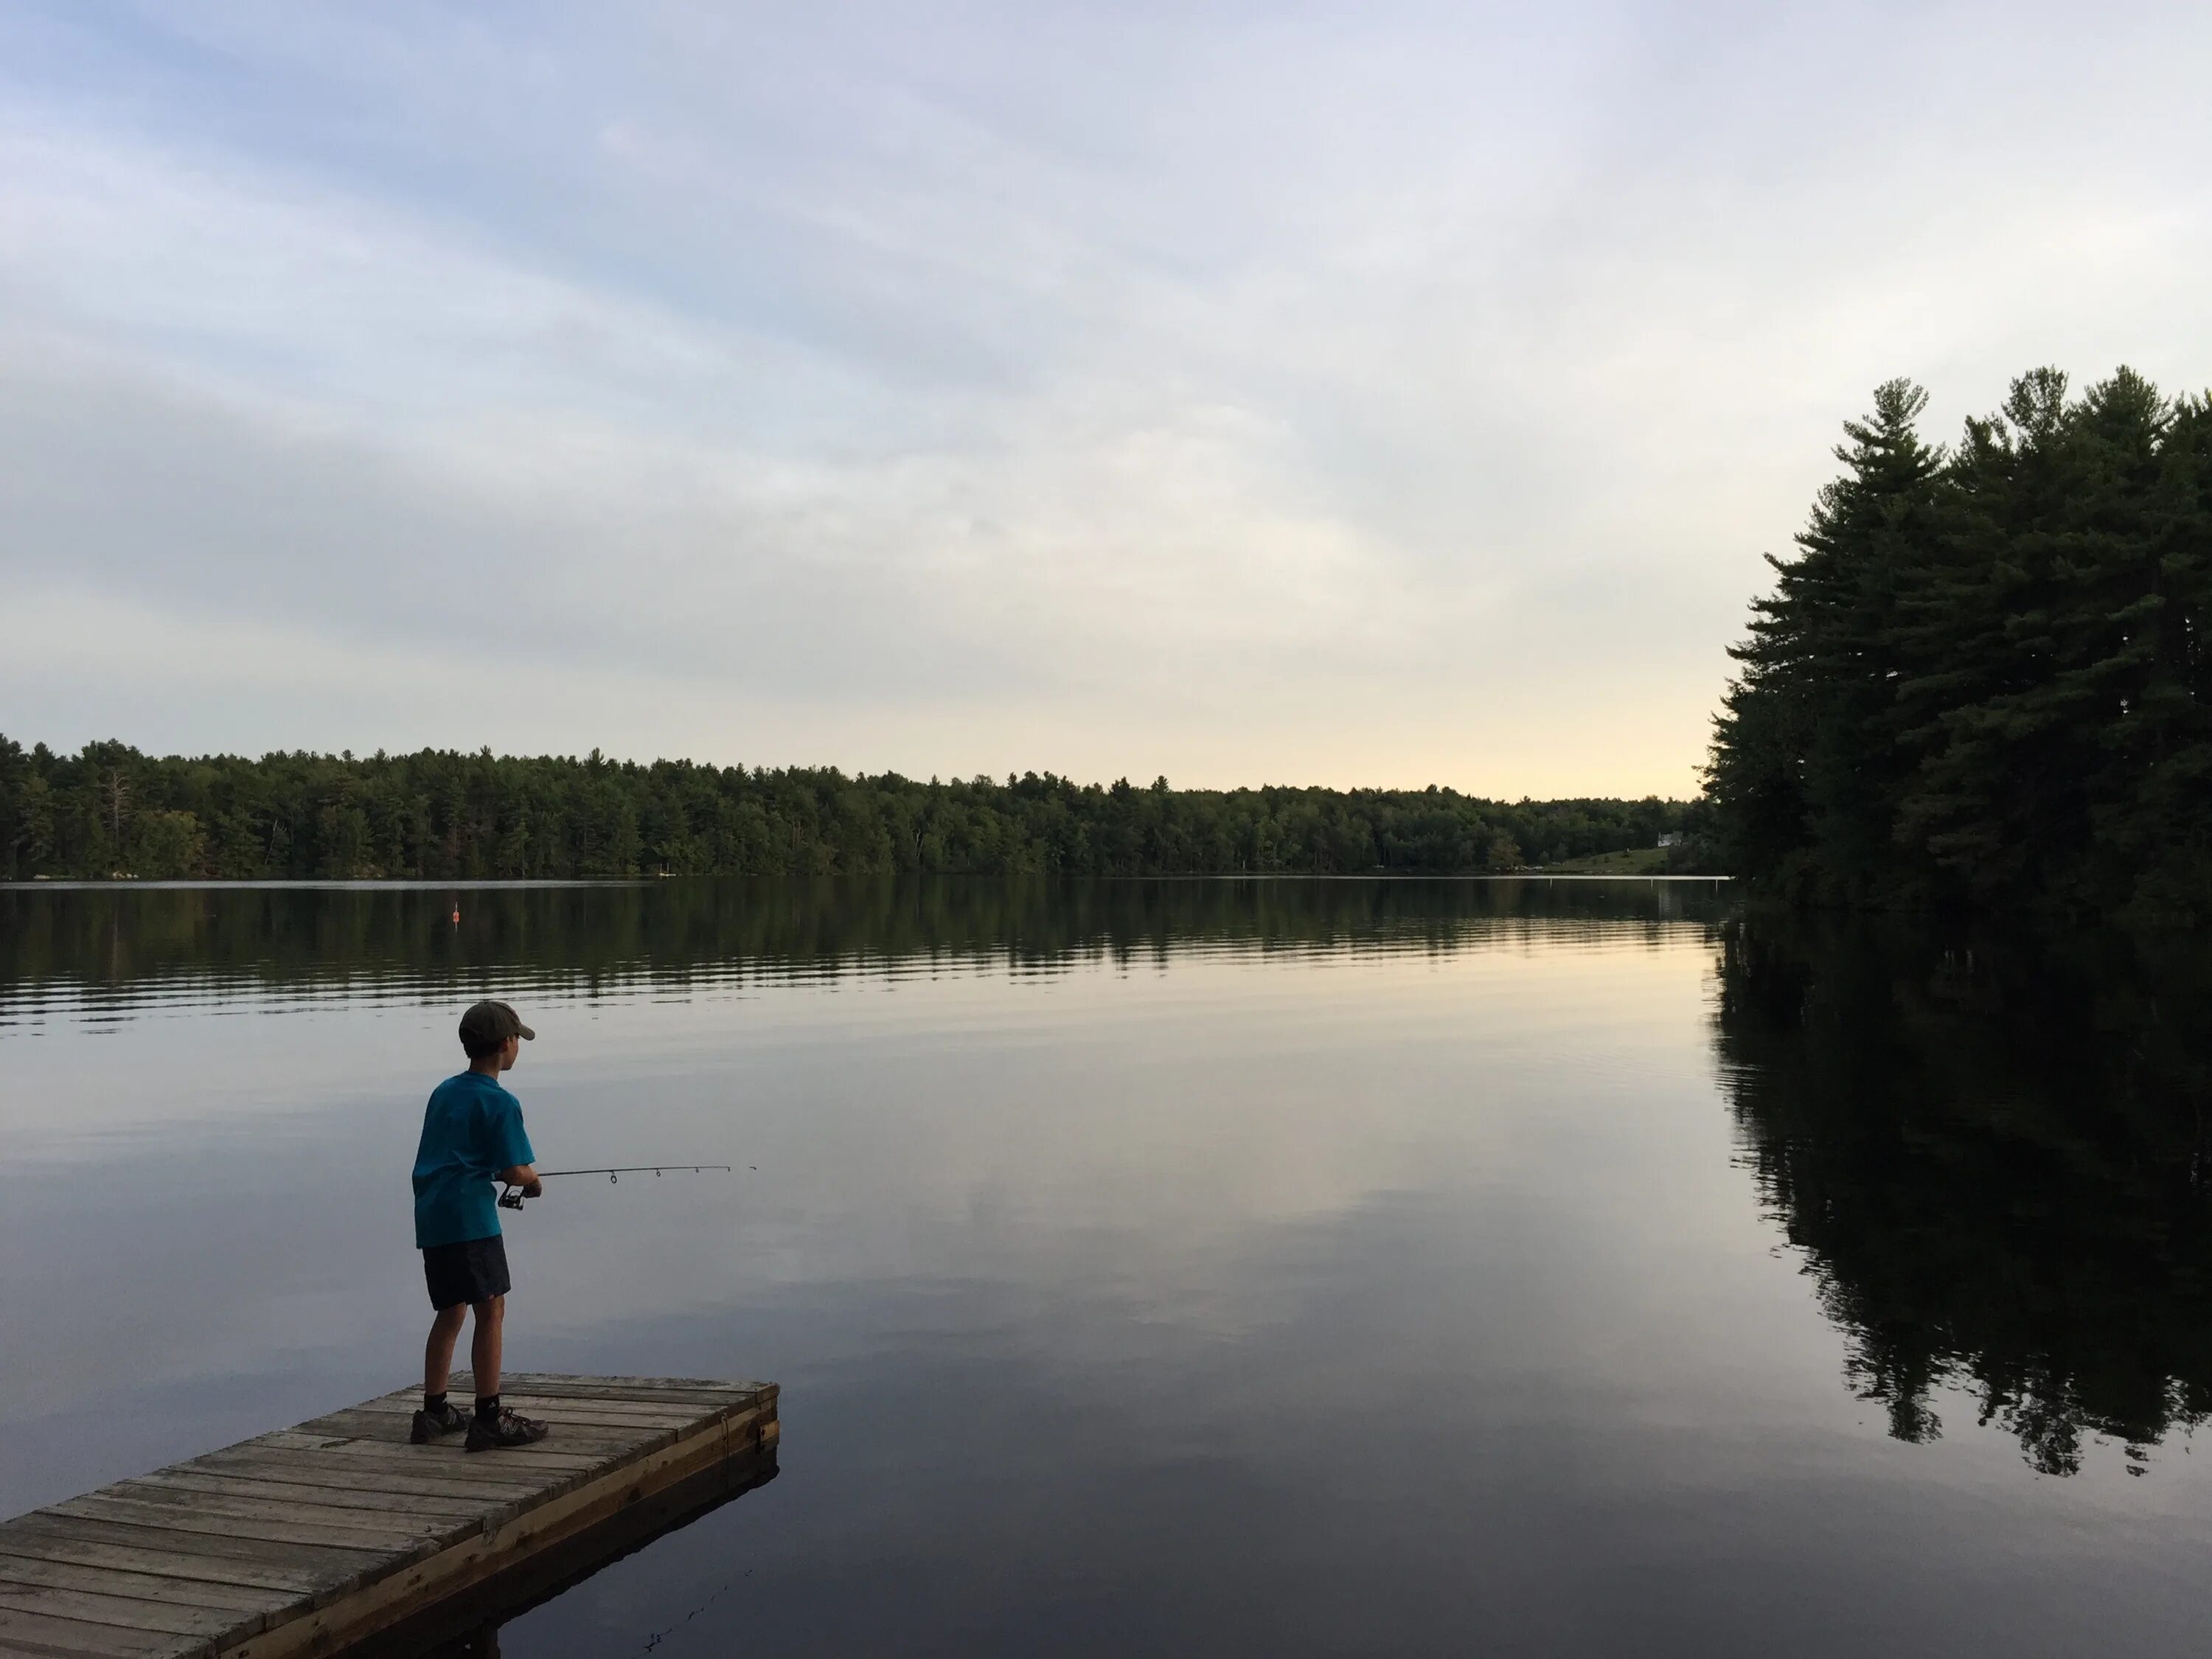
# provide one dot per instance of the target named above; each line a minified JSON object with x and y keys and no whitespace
{"x":508,"y":1429}
{"x":429,"y":1426}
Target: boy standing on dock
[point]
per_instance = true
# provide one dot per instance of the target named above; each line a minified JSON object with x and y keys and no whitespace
{"x":472,"y":1134}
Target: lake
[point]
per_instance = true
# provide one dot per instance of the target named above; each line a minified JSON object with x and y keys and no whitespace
{"x":1284,"y":1267}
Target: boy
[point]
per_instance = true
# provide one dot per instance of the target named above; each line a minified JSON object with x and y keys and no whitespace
{"x":472,"y":1132}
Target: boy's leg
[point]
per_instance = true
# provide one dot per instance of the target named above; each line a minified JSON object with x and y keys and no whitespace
{"x":484,"y":1350}
{"x":494,"y":1425}
{"x":437,"y":1352}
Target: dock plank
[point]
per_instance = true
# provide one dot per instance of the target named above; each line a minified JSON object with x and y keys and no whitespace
{"x":42,"y":1633}
{"x":350,"y":1496}
{"x":579,"y":1409}
{"x":301,"y":1541}
{"x":109,"y":1580}
{"x":598,"y":1414}
{"x":457,"y":1464}
{"x":294,"y":1468}
{"x":390,"y":1428}
{"x":143,"y":1495}
{"x":213,"y":1558}
{"x":128,"y":1613}
{"x":270,"y":1528}
{"x":612,"y":1390}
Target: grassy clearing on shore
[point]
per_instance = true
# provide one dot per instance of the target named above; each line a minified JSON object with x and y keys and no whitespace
{"x":1631,"y":861}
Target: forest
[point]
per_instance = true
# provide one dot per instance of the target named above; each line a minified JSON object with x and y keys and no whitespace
{"x":1983,"y":680}
{"x":109,"y":811}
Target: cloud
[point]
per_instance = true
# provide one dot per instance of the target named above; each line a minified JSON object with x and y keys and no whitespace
{"x":1386,"y":396}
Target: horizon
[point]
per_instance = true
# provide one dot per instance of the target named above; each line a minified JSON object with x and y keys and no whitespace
{"x":1408,"y":393}
{"x":934,"y":781}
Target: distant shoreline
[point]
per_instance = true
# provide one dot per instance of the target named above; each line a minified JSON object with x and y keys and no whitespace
{"x":110,"y":811}
{"x":420,"y":884}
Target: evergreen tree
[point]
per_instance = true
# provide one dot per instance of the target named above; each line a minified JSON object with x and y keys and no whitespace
{"x":1983,"y":680}
{"x":1808,"y":757}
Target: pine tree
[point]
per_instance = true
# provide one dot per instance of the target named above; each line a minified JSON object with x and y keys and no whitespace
{"x":1806,"y":759}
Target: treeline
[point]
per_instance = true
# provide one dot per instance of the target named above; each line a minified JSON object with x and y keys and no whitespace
{"x":1985,"y":678}
{"x":110,"y":810}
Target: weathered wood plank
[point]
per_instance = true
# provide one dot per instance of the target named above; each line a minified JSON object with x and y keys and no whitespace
{"x":270,"y":1529}
{"x":93,"y":1607}
{"x":111,"y":1580}
{"x":563,"y":1409}
{"x":42,"y":1633}
{"x":626,"y":1385}
{"x":295,"y":1469}
{"x":408,"y":1400}
{"x":450,"y":1461}
{"x":371,"y":1466}
{"x":218,"y":1557}
{"x":595,"y":1417}
{"x":391,"y":1429}
{"x":394,"y":1526}
{"x":348,"y":1497}
{"x":700,"y":1399}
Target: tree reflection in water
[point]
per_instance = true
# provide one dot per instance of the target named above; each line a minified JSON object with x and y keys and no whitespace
{"x":1992,"y":1153}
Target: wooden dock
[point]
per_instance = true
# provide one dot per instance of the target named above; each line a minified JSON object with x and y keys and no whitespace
{"x":310,"y":1539}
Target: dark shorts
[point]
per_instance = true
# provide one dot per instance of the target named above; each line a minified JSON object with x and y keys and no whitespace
{"x":474,"y":1270}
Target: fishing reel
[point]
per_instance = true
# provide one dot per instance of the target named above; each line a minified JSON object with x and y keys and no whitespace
{"x":511,"y":1199}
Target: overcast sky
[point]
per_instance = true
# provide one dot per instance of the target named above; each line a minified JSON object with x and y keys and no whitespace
{"x":1360,"y":394}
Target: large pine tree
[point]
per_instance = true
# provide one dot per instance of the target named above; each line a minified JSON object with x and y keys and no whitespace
{"x":1984,"y":677}
{"x":1807,"y":761}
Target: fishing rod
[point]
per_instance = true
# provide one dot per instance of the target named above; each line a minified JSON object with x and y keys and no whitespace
{"x":512,"y":1198}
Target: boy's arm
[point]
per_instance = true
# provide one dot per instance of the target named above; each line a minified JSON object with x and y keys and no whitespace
{"x":514,"y":1145}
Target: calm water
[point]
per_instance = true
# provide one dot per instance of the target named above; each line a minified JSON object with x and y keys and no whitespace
{"x":1282,"y":1269}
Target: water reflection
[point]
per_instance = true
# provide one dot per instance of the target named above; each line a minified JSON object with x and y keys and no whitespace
{"x":1992,"y":1152}
{"x":108,"y":951}
{"x":470,"y":1627}
{"x":1299,"y":1266}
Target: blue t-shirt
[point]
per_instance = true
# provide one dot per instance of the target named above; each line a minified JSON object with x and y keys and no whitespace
{"x":471,"y":1130}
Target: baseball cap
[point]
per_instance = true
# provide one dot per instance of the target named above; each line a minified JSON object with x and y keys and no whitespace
{"x":488,"y":1025}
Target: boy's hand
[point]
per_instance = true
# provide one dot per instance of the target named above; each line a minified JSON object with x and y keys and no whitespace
{"x":534,"y":1189}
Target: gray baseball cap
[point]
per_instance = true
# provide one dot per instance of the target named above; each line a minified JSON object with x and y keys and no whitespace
{"x":488,"y":1025}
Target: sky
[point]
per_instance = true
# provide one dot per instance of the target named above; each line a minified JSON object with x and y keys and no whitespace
{"x":1377,"y":394}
